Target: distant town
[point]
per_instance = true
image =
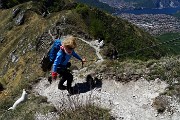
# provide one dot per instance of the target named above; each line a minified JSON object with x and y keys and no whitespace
{"x":155,"y":24}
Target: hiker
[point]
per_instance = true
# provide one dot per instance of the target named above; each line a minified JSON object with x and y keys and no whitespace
{"x":48,"y":59}
{"x":61,"y":63}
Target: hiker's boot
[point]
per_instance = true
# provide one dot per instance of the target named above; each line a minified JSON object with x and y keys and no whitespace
{"x":70,"y":90}
{"x":50,"y":79}
{"x":61,"y":86}
{"x":90,"y":82}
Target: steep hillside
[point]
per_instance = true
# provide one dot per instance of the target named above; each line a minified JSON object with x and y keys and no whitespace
{"x":21,"y":54}
{"x":123,"y":36}
{"x":20,"y":43}
{"x":24,"y":43}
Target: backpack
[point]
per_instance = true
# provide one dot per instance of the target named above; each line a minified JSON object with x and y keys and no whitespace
{"x":49,"y":58}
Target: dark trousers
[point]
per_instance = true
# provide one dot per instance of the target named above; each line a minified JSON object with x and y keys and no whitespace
{"x":65,"y":75}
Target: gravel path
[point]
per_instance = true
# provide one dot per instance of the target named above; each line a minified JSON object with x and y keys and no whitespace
{"x":96,"y":47}
{"x":130,"y":101}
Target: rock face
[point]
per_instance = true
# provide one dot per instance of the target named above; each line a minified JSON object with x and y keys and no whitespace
{"x":20,"y":19}
{"x":15,"y":12}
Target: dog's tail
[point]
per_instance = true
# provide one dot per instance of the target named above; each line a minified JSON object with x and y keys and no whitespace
{"x":11,"y":108}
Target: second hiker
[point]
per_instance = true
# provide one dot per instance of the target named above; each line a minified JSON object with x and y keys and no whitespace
{"x":61,"y":63}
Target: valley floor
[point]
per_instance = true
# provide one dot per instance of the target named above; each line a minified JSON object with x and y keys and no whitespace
{"x":154,"y":24}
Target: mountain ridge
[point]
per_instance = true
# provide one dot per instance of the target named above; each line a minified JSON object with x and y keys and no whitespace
{"x":23,"y":45}
{"x":121,"y":36}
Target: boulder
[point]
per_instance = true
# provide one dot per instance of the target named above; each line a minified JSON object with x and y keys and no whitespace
{"x":20,"y":19}
{"x":15,"y":12}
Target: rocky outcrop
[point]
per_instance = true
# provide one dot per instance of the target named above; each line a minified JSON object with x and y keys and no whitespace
{"x":20,"y":19}
{"x":15,"y":12}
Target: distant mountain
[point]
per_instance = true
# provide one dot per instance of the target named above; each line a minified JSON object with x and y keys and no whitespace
{"x":142,"y":3}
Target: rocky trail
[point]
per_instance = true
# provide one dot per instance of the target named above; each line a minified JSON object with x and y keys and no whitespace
{"x":130,"y":101}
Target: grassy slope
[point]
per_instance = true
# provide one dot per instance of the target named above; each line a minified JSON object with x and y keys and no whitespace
{"x":172,"y":47}
{"x":19,"y":75}
{"x":26,"y":71}
{"x":20,"y":39}
{"x":100,"y":5}
{"x":23,"y":40}
{"x":124,"y":36}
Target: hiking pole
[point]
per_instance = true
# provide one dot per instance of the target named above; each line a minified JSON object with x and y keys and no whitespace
{"x":82,"y":63}
{"x":83,"y":60}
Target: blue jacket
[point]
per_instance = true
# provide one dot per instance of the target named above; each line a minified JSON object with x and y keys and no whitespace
{"x":59,"y":59}
{"x":54,"y":50}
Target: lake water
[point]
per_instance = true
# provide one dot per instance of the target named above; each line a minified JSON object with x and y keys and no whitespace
{"x":152,"y":11}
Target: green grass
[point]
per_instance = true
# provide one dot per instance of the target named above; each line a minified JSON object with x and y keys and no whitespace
{"x":27,"y":109}
{"x":167,"y":69}
{"x":172,"y":47}
{"x":97,"y":4}
{"x":87,"y":112}
{"x":26,"y":71}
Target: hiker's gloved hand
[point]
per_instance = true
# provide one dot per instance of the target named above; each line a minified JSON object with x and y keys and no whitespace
{"x":83,"y":61}
{"x":54,"y":75}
